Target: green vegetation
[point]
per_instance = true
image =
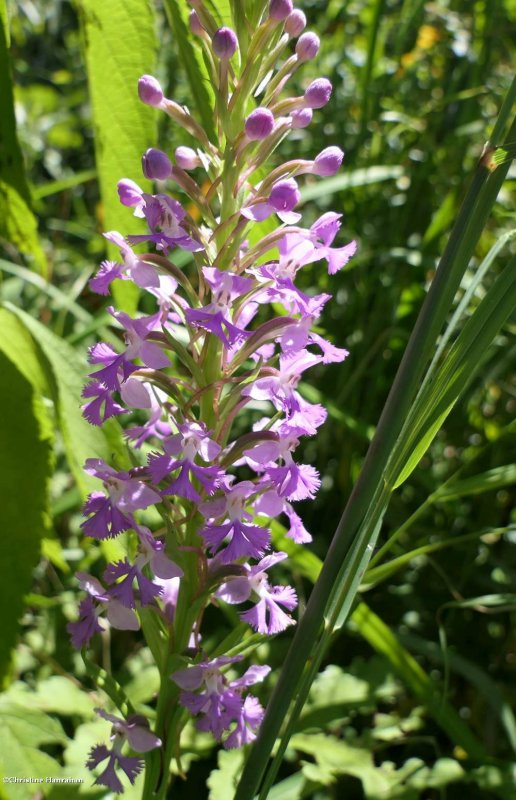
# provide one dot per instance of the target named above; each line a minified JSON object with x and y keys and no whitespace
{"x":406,"y":685}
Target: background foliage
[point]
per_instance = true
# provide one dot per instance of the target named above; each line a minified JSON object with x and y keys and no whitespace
{"x":416,"y":694}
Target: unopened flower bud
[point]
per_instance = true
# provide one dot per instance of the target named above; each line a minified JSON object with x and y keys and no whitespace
{"x":156,"y":165}
{"x":149,"y":90}
{"x":186,"y":158}
{"x":318,"y":93}
{"x":328,"y":162}
{"x":224,"y":43}
{"x":259,"y":123}
{"x":301,"y":118}
{"x":195,"y":24}
{"x":284,"y":195}
{"x":280,"y":9}
{"x":129,"y":192}
{"x":295,"y":23}
{"x":307,"y":46}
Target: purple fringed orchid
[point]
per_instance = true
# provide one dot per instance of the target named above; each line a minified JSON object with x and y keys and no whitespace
{"x":136,"y":733}
{"x":111,"y":513}
{"x":266,"y":616}
{"x":220,"y":705}
{"x":207,"y":385}
{"x":244,"y":540}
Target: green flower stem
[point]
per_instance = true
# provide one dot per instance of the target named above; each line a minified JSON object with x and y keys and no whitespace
{"x":472,"y":217}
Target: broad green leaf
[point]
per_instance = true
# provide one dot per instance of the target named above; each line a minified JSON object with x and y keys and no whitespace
{"x":18,"y":345}
{"x":22,"y":731}
{"x":25,"y":469}
{"x":120,"y":46}
{"x":81,"y":439}
{"x":334,"y":757}
{"x":498,"y":781}
{"x":289,"y":789}
{"x":17,"y":222}
{"x":223,"y":780}
{"x":57,"y":694}
{"x":189,"y":56}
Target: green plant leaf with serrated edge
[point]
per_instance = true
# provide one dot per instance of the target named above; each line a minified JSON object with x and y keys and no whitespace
{"x":22,"y":732}
{"x":17,"y":222}
{"x":120,"y":45}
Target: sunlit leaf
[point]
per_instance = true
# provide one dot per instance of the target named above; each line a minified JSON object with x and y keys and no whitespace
{"x":25,"y":469}
{"x":120,"y":46}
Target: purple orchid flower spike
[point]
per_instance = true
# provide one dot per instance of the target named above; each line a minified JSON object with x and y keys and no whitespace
{"x":101,"y":405}
{"x":207,"y":385}
{"x":314,"y":244}
{"x":137,"y":332}
{"x":292,"y":481}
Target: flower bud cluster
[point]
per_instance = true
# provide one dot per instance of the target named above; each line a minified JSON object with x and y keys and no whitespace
{"x":213,"y":354}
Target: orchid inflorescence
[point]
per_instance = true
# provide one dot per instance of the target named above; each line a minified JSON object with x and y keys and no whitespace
{"x":215,"y":353}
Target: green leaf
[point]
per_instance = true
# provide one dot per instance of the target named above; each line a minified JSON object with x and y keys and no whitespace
{"x":69,"y":182}
{"x":440,"y":392}
{"x":56,"y":694}
{"x":18,"y":345}
{"x":67,"y":373}
{"x":477,"y":484}
{"x":25,"y":469}
{"x":224,"y":779}
{"x":120,"y":43}
{"x":376,"y":574}
{"x":22,"y":731}
{"x":17,"y":222}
